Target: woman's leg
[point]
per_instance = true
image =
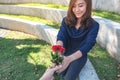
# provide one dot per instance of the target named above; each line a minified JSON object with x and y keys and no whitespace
{"x":74,"y":69}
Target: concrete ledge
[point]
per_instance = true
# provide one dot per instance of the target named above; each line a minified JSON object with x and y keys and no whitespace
{"x":37,"y":29}
{"x":112,"y":5}
{"x":53,"y":14}
{"x":88,"y":72}
{"x":60,"y":2}
{"x":109,"y":36}
{"x":46,"y":33}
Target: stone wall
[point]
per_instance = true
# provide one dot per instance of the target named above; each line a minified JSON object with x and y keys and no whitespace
{"x":53,"y":14}
{"x":112,"y":5}
{"x":109,"y":36}
{"x":39,"y":30}
{"x":61,"y":2}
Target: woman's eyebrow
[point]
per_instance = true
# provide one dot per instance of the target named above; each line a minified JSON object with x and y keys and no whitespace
{"x":81,"y":3}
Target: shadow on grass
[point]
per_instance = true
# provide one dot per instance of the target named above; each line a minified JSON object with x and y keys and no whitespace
{"x":105,"y":65}
{"x":14,"y":63}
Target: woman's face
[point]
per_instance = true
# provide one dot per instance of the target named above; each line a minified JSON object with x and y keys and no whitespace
{"x":79,"y":8}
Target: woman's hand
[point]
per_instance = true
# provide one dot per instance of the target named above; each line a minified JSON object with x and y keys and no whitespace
{"x":68,"y":59}
{"x":65,"y":63}
{"x":48,"y":75}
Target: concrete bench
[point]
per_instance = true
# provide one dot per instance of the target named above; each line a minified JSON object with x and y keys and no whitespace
{"x":46,"y":33}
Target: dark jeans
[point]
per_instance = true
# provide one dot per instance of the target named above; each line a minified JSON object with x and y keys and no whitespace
{"x":73,"y":70}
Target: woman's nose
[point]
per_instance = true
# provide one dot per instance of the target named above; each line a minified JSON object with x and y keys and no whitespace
{"x":77,"y":8}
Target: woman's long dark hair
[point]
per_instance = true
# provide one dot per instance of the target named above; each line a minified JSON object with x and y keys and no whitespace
{"x":86,"y":20}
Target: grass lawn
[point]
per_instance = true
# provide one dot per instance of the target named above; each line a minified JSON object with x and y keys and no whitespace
{"x":106,"y":67}
{"x":24,"y":57}
{"x":108,"y":15}
{"x":45,"y":5}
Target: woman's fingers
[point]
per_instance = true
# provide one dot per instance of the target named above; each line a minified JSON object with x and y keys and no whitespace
{"x":57,"y":67}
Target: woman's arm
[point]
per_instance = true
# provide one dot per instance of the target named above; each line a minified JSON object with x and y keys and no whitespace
{"x":90,"y":41}
{"x":62,"y":34}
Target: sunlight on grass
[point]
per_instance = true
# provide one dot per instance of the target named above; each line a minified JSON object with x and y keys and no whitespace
{"x":108,"y":15}
{"x":23,"y":53}
{"x":45,"y":5}
{"x":23,"y":56}
{"x":104,"y":64}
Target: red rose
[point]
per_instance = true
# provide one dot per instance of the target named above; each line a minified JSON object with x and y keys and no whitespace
{"x":58,"y":48}
{"x":54,"y":48}
{"x":62,"y":50}
{"x":56,"y":56}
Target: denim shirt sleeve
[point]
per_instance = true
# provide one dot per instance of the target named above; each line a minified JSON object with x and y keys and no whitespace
{"x":90,"y":39}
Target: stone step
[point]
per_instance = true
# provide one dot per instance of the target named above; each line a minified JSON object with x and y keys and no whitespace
{"x":60,"y":2}
{"x":55,"y":15}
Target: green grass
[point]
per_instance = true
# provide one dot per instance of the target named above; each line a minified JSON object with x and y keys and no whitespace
{"x":35,"y":19}
{"x":24,"y":57}
{"x":107,"y":68}
{"x":108,"y":15}
{"x":45,"y":5}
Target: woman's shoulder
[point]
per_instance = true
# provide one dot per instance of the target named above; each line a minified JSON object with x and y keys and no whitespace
{"x":95,"y":22}
{"x":63,"y":22}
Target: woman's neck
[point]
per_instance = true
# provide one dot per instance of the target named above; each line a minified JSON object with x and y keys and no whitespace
{"x":78,"y":24}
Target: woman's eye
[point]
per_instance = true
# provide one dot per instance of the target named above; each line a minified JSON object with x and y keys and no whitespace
{"x":80,"y":5}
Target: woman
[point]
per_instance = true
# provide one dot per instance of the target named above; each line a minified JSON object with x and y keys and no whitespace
{"x":77,"y":35}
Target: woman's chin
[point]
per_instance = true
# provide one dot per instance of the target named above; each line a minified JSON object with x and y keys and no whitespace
{"x":78,"y":16}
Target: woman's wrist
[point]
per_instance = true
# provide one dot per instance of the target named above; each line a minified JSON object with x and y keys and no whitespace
{"x":71,"y":58}
{"x":59,"y":43}
{"x":75,"y":56}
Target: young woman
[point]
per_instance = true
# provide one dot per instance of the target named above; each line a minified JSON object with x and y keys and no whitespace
{"x":77,"y":35}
